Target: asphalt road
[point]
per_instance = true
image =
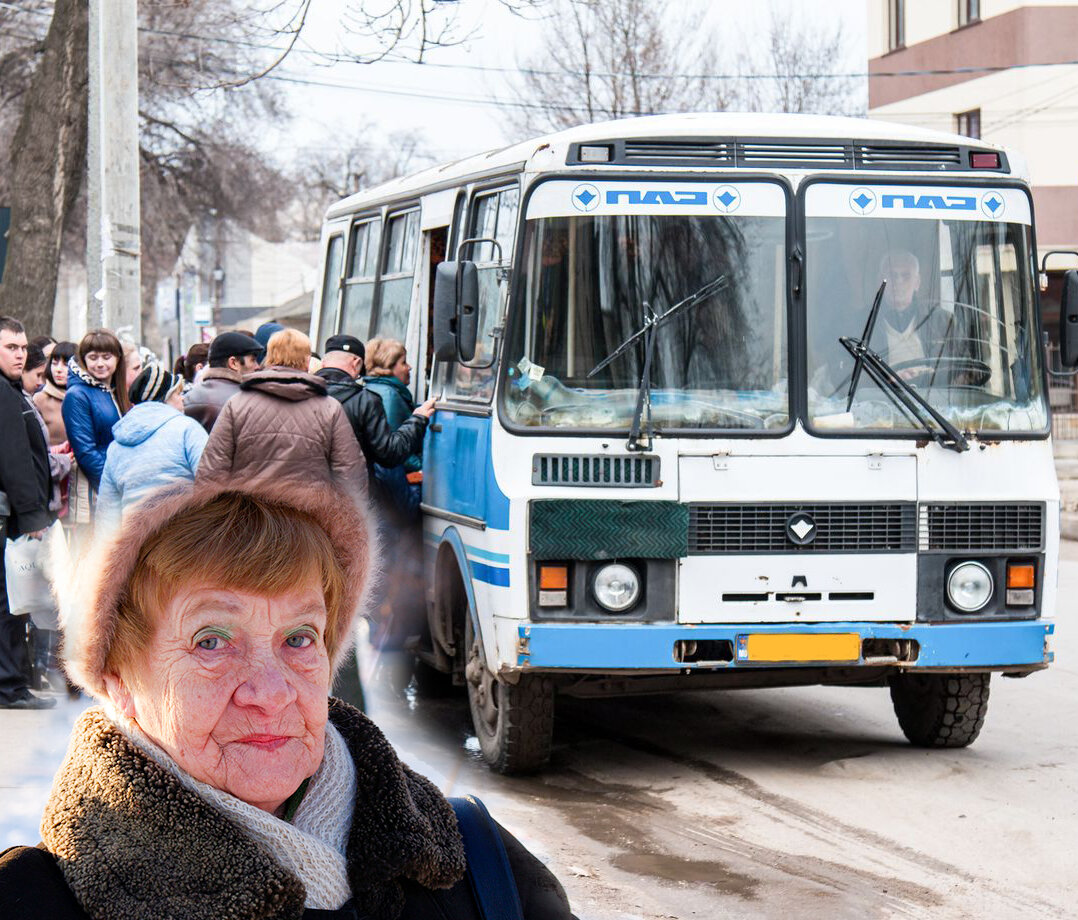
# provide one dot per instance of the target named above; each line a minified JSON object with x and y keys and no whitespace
{"x":802,"y":803}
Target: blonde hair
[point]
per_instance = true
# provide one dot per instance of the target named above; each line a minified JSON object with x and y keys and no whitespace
{"x":288,"y":348}
{"x":236,"y":541}
{"x":382,"y":354}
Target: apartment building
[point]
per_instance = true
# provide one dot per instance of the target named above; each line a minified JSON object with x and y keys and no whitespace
{"x":1000,"y":70}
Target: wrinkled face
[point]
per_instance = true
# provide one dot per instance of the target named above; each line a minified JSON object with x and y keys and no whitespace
{"x":402,"y":370}
{"x":59,"y":371}
{"x":101,"y":365}
{"x":235,"y":688}
{"x":134,"y":367}
{"x":34,"y":380}
{"x":12,"y":353}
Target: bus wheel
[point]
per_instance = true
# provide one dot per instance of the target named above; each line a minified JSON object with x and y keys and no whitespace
{"x":940,"y":710}
{"x":514,"y":722}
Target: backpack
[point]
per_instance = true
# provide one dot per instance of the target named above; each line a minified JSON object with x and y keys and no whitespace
{"x":490,"y":876}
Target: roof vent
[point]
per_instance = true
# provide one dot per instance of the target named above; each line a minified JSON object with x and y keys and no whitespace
{"x":880,"y":156}
{"x":688,"y":153}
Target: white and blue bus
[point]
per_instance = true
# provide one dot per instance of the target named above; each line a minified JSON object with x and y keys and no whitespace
{"x":723,"y":401}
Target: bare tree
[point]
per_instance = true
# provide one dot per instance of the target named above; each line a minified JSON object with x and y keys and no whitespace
{"x":324,"y":175}
{"x":201,"y":64}
{"x":799,"y":70}
{"x":603,"y":59}
{"x":47,"y":164}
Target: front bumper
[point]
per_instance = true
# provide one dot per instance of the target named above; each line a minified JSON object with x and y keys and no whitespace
{"x":603,"y":647}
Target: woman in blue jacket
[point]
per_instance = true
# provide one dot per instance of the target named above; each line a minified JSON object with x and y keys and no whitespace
{"x":155,"y":444}
{"x":94,"y":401}
{"x":388,"y":375}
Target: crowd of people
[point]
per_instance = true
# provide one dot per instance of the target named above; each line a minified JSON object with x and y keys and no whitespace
{"x":229,"y":520}
{"x":94,"y":428}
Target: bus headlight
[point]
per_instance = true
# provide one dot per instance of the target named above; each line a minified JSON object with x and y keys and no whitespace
{"x":969,"y":587}
{"x":616,"y":587}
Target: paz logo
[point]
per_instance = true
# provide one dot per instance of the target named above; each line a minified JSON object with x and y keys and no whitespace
{"x":801,"y":529}
{"x":863,"y":201}
{"x":727,"y":199}
{"x":585,"y":197}
{"x":993,"y":205}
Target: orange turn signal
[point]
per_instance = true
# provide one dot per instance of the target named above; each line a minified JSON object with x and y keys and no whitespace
{"x":1020,"y":576}
{"x":554,"y":577}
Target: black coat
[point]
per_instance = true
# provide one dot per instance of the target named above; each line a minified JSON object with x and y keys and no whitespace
{"x":126,"y":841}
{"x":367,"y":415}
{"x":24,"y":461}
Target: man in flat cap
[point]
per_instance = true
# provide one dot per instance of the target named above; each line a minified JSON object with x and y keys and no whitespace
{"x":342,"y":364}
{"x":232,"y":354}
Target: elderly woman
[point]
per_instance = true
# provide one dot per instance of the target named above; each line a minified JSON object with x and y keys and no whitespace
{"x":282,"y":423}
{"x":218,"y":779}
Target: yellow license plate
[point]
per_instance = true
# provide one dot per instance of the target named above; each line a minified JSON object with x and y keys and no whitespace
{"x":778,"y":647}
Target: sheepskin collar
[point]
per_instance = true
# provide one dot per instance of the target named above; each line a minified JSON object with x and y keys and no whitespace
{"x":134,"y":844}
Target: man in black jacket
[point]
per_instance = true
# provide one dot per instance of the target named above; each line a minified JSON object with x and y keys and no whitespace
{"x":341,"y":365}
{"x":24,"y":504}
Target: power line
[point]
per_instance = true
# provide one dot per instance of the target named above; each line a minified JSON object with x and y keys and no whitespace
{"x":337,"y":58}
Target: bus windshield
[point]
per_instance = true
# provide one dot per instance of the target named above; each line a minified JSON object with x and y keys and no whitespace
{"x":591,"y":282}
{"x":956,"y":315}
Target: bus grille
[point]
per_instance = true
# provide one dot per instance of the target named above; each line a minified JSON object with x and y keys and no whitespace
{"x":972,"y":527}
{"x":595,"y":470}
{"x":876,"y":527}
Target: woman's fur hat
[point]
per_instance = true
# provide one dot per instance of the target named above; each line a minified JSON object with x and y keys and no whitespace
{"x":89,"y":604}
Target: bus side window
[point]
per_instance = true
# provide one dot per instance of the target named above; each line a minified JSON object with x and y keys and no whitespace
{"x":398,"y":275}
{"x":331,"y":286}
{"x":362,"y":275}
{"x":494,"y":216}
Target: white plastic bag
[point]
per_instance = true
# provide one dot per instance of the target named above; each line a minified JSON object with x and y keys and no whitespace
{"x":28,"y":564}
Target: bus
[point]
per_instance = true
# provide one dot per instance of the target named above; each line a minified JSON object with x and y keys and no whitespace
{"x":723,"y":401}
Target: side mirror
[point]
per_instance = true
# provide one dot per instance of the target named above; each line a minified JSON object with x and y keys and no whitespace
{"x":456,"y":311}
{"x":1068,"y":320}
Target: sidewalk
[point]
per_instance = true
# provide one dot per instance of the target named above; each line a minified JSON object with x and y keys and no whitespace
{"x":32,"y":746}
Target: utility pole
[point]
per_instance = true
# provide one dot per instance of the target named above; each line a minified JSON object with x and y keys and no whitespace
{"x":113,"y":223}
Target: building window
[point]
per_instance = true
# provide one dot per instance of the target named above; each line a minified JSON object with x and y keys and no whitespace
{"x":896,"y":24}
{"x":968,"y":123}
{"x":968,"y":11}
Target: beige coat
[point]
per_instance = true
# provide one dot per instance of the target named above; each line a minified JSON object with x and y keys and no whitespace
{"x":48,"y":402}
{"x":282,"y":426}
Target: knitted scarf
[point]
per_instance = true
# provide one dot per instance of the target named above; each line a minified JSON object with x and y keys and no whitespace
{"x":312,"y":847}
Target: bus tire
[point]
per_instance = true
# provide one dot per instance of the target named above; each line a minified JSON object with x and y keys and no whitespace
{"x":513,"y":722}
{"x":940,"y":710}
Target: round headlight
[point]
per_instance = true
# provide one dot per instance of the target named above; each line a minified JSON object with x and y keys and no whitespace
{"x":969,"y":586}
{"x":616,"y":587}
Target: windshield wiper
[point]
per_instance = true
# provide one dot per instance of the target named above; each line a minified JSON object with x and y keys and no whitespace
{"x":866,"y":336}
{"x":902,"y":394}
{"x":652,"y":321}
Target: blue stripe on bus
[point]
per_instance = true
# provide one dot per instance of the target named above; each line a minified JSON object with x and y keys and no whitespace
{"x":605,"y":646}
{"x":489,"y":573}
{"x":503,"y":558}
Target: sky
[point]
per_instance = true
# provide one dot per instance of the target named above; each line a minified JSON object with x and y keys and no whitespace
{"x":452,"y":98}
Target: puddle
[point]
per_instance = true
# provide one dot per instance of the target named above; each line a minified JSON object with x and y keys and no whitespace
{"x":682,"y":871}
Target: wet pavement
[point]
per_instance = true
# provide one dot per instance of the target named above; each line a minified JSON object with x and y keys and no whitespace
{"x":792,"y":802}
